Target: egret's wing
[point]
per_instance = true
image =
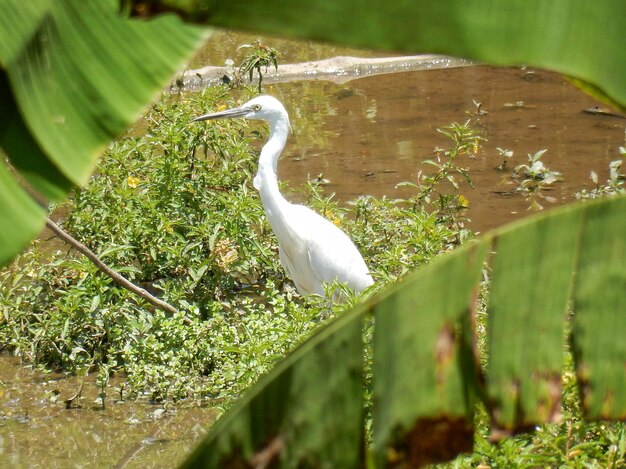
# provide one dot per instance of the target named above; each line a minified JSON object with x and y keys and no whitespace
{"x":286,"y":259}
{"x":293,"y":248}
{"x":333,"y":256}
{"x":314,"y":251}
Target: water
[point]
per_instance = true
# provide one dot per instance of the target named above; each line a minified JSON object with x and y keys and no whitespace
{"x":371,"y":134}
{"x":38,"y":430}
{"x":365,"y":136}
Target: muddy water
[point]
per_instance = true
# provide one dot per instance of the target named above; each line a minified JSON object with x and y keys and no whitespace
{"x":370,"y":134}
{"x":37,"y":429}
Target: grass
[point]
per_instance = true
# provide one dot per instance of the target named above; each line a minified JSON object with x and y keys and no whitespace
{"x":171,"y":206}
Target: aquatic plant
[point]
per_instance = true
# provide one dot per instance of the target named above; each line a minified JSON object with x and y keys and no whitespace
{"x":505,"y":155}
{"x":534,"y":178}
{"x":614,"y":184}
{"x":260,"y":56}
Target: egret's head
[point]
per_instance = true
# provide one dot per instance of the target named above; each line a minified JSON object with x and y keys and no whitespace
{"x":264,"y":108}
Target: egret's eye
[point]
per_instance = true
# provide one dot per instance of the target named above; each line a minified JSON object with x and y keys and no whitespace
{"x":256,"y":107}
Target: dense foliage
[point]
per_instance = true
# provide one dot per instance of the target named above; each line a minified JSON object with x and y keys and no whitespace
{"x":172,"y":208}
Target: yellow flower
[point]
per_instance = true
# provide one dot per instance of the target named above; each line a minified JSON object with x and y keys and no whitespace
{"x":221,"y":107}
{"x":463,"y":201}
{"x":333,"y":217}
{"x":133,"y":181}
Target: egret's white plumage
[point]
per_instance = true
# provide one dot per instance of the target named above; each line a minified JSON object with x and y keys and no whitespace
{"x":312,"y":250}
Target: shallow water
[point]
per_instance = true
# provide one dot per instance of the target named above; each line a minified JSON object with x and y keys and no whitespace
{"x":38,"y":430}
{"x":364,"y":136}
{"x":371,"y":134}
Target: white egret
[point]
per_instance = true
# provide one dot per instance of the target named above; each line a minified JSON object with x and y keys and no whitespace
{"x":312,"y":250}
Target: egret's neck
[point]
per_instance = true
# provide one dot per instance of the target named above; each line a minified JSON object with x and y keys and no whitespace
{"x":266,"y":180}
{"x":273,"y":148}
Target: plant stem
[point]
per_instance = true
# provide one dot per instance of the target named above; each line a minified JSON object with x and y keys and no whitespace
{"x":117,"y":278}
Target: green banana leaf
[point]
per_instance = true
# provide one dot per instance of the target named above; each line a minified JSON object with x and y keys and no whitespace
{"x":75,"y":74}
{"x":578,"y":38}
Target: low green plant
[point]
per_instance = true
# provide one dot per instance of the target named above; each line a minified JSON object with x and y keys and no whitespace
{"x":439,"y":192}
{"x":613,"y":185}
{"x":172,"y":208}
{"x":534,"y":178}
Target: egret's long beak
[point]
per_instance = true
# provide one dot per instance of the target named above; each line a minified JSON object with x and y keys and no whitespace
{"x":236,"y":112}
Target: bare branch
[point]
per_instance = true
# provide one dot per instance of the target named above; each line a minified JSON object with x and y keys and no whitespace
{"x":117,"y":278}
{"x":336,"y":69}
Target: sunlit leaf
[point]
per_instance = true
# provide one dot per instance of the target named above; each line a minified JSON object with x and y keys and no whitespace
{"x":423,"y":371}
{"x":530,"y":290}
{"x":599,"y":304}
{"x":23,"y":219}
{"x":74,"y":75}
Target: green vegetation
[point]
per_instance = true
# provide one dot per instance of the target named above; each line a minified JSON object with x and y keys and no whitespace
{"x":64,"y":127}
{"x":171,"y":207}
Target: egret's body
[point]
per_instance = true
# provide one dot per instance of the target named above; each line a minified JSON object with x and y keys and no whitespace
{"x":312,"y":250}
